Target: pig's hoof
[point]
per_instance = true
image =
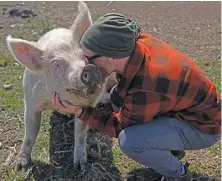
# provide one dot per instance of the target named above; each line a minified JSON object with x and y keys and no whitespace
{"x":23,"y":162}
{"x":80,"y":165}
{"x":83,"y":165}
{"x":76,"y":167}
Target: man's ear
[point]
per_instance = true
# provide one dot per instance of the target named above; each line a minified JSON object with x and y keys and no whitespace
{"x":26,"y":53}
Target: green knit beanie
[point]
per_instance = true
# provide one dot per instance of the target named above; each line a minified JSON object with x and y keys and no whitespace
{"x":112,"y":35}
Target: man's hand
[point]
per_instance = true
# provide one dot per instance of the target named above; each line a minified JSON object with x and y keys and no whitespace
{"x":64,"y":106}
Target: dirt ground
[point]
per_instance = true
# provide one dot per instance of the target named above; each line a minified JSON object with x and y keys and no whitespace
{"x":192,"y":27}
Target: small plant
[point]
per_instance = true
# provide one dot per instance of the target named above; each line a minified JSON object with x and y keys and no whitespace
{"x":41,"y":25}
{"x":218,"y":29}
{"x":5,"y":59}
{"x":19,"y":35}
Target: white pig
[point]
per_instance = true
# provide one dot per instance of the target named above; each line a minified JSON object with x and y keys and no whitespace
{"x":56,"y":63}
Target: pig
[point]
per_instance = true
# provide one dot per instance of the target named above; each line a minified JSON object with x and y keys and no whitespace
{"x":56,"y":63}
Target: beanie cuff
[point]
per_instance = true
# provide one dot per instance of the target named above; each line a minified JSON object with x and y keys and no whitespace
{"x":105,"y":52}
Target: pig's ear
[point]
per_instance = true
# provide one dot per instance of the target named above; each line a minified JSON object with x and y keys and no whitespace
{"x":26,"y":53}
{"x":82,"y":22}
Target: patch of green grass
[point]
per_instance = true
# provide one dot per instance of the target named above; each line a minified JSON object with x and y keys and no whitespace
{"x":195,"y":168}
{"x":213,"y":70}
{"x":122,"y":162}
{"x":11,"y":74}
{"x":202,"y":169}
{"x":5,"y":59}
{"x":41,"y":148}
{"x":41,"y":25}
{"x":11,"y":100}
{"x":218,"y":30}
{"x":215,"y":149}
{"x":19,"y":35}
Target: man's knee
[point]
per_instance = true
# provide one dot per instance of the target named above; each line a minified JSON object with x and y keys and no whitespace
{"x":131,"y":142}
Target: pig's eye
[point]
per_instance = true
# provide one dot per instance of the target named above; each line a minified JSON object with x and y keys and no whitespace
{"x":58,"y":63}
{"x":58,"y":67}
{"x":55,"y":64}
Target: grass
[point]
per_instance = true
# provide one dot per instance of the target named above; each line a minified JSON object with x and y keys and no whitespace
{"x":41,"y":25}
{"x":11,"y":74}
{"x":213,"y":70}
{"x":5,"y":59}
{"x":215,"y":149}
{"x":19,"y":35}
{"x":120,"y":159}
{"x":203,"y":162}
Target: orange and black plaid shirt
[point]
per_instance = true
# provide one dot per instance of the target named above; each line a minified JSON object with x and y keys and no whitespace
{"x":159,"y":80}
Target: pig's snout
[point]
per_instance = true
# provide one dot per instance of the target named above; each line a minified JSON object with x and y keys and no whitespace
{"x":91,"y":76}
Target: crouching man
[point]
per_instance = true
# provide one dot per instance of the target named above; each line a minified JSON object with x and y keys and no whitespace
{"x":163,"y":103}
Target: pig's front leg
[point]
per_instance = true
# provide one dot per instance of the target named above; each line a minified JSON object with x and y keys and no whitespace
{"x":80,"y":153}
{"x":32,"y":124}
{"x":34,"y":105}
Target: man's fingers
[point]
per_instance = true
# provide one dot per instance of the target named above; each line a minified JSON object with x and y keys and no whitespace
{"x":53,"y":98}
{"x":69,"y":106}
{"x":58,"y":103}
{"x":57,"y":100}
{"x":65,"y":104}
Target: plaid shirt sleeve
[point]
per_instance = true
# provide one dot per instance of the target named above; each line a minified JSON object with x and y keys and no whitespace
{"x":139,"y":107}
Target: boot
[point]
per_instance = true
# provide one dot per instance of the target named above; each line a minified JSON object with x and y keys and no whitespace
{"x":152,"y":175}
{"x":178,"y":153}
{"x":187,"y":177}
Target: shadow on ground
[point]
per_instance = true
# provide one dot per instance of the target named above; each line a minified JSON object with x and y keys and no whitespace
{"x":100,"y":159}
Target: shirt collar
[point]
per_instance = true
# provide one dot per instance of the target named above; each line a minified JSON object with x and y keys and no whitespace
{"x":131,"y":69}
